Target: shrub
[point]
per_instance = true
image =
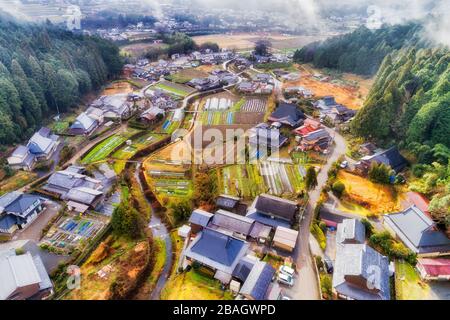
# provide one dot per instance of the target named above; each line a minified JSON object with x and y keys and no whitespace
{"x":379,"y":173}
{"x":392,"y":248}
{"x":326,"y":286}
{"x":319,"y":235}
{"x":338,"y":189}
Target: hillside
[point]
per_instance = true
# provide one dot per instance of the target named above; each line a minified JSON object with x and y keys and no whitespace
{"x":409,"y":100}
{"x":361,"y":51}
{"x":43,"y":68}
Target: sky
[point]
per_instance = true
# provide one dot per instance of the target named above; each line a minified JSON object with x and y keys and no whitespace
{"x":435,"y":13}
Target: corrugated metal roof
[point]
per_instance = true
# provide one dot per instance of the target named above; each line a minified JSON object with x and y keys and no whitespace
{"x":275,"y":206}
{"x":286,"y":236}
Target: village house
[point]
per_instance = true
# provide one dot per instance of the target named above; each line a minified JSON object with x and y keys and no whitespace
{"x":231,"y":204}
{"x":70,"y":185}
{"x":83,"y":125}
{"x":437,"y":269}
{"x":114,"y":107}
{"x":18,"y":210}
{"x":218,"y":252}
{"x":264,"y":139}
{"x":288,"y":114}
{"x":390,"y":157}
{"x":353,"y":277}
{"x":258,"y":281}
{"x":152,"y":115}
{"x":199,"y":220}
{"x":318,"y":140}
{"x":355,"y":264}
{"x":41,"y":147}
{"x":418,"y":232}
{"x":23,"y":276}
{"x":309,"y":125}
{"x":285,"y":239}
{"x":273,"y":211}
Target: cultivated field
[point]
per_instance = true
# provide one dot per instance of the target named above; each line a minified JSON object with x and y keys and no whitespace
{"x":255,"y":105}
{"x":139,"y":49}
{"x":363,"y":196}
{"x":250,"y":180}
{"x":186,"y":75}
{"x":103,"y":149}
{"x":242,"y":41}
{"x":351,"y":96}
{"x":117,"y":88}
{"x":174,"y":88}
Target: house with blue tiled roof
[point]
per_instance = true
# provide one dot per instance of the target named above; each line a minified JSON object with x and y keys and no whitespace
{"x":18,"y":210}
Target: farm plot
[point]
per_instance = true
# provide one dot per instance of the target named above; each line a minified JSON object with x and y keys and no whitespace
{"x":255,"y":105}
{"x":68,"y":233}
{"x":122,"y":155}
{"x":249,"y":118}
{"x":265,"y":177}
{"x":215,"y":118}
{"x":103,"y":149}
{"x":174,"y":88}
{"x":186,"y":75}
{"x":173,"y":188}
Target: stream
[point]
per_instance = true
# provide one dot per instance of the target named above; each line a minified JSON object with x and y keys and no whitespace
{"x":159,"y":230}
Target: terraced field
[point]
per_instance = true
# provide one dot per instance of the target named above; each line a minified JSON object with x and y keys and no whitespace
{"x":174,"y":88}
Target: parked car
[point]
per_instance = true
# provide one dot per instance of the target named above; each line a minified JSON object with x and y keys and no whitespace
{"x":287,"y":271}
{"x":283,"y":297}
{"x":328,"y":265}
{"x":285,"y":279}
{"x":344,"y":164}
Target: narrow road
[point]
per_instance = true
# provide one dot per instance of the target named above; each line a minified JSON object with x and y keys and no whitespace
{"x":159,"y":230}
{"x":306,"y":286}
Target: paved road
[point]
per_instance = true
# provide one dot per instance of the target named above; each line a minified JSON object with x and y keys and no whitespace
{"x":306,"y":286}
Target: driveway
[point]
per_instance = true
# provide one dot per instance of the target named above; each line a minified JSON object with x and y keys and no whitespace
{"x":33,"y":231}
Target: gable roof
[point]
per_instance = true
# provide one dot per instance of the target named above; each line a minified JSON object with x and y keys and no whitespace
{"x":417,"y":231}
{"x":84,"y":122}
{"x":217,"y":250}
{"x":438,"y":267}
{"x":200,"y":217}
{"x":15,"y":272}
{"x":258,"y":281}
{"x":275,"y":207}
{"x":286,"y":236}
{"x":390,"y":157}
{"x":7,"y":221}
{"x":83,"y":195}
{"x":266,"y":135}
{"x":227,"y":202}
{"x":20,"y":205}
{"x":288,"y":114}
{"x":354,"y":273}
{"x":39,"y":144}
{"x":233,"y":222}
{"x":350,"y":231}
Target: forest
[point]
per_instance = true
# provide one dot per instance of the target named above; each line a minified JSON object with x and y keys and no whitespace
{"x":361,"y":51}
{"x":43,"y":70}
{"x":409,"y":106}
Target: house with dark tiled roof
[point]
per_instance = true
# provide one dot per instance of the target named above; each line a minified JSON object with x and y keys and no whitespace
{"x":287,"y":114}
{"x":418,"y":232}
{"x":232,"y":224}
{"x":18,"y":210}
{"x":273,"y":211}
{"x":217,"y":251}
{"x":390,"y":157}
{"x":264,"y":138}
{"x":360,"y":273}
